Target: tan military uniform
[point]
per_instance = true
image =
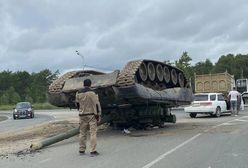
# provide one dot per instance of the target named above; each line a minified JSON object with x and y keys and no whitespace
{"x":89,"y":106}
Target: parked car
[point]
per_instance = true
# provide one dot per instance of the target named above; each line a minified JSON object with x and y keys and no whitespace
{"x":245,"y":98}
{"x":208,"y":103}
{"x":23,"y":110}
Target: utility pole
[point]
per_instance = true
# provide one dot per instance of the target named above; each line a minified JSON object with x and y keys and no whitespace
{"x":82,"y":58}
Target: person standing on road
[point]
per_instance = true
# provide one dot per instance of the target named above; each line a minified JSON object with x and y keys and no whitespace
{"x":89,"y":109}
{"x":238,"y":104}
{"x":234,"y":96}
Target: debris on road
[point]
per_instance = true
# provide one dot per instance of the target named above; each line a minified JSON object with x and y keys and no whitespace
{"x":14,"y":141}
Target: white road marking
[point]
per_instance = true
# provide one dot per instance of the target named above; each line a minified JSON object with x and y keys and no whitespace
{"x":7,"y":119}
{"x":191,"y":139}
{"x":170,"y":151}
{"x":45,"y":160}
{"x":227,"y":124}
{"x":244,"y":117}
{"x":235,"y":155}
{"x":241,"y":120}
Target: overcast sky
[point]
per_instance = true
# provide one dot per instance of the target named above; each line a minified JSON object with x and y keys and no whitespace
{"x":40,"y":34}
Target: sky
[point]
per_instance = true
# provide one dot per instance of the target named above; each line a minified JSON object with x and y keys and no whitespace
{"x":45,"y":34}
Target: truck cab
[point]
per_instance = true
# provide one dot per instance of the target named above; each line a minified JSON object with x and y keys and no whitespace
{"x":242,"y":85}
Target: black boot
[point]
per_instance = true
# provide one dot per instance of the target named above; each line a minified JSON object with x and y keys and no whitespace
{"x":81,"y":152}
{"x":94,"y":153}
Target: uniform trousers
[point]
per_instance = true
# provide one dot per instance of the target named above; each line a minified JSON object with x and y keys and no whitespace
{"x":87,"y":124}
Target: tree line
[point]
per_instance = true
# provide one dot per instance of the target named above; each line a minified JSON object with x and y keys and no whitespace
{"x":23,"y":86}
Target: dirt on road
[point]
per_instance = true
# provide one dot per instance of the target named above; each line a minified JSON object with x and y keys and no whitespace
{"x":11,"y":142}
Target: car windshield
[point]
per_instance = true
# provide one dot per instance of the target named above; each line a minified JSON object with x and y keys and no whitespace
{"x":201,"y":97}
{"x":23,"y":105}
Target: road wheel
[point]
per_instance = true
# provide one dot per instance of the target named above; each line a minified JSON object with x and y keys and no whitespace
{"x":193,"y":115}
{"x":14,"y":117}
{"x":218,"y":112}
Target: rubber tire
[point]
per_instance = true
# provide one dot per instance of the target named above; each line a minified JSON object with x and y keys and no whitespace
{"x":166,"y":73}
{"x":14,"y":117}
{"x":174,"y":77}
{"x":218,"y":112}
{"x":193,"y":115}
{"x":143,"y":74}
{"x":151,"y":71}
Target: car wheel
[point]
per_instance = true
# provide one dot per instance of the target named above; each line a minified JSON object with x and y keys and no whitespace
{"x":14,"y":117}
{"x":193,"y":115}
{"x":218,"y":112}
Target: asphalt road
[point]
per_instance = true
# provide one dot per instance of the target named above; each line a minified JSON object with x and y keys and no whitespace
{"x":41,"y":116}
{"x":10,"y":124}
{"x":203,"y":142}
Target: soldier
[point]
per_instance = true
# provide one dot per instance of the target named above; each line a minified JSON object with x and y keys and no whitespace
{"x":89,"y":109}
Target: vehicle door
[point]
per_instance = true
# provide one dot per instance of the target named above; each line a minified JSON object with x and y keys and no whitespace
{"x":213,"y":99}
{"x":222,"y":102}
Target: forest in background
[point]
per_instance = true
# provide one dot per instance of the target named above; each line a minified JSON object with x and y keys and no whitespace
{"x":33,"y":87}
{"x":23,"y":86}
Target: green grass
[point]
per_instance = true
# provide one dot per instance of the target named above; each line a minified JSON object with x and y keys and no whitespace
{"x":44,"y":106}
{"x":37,"y":106}
{"x":7,"y":107}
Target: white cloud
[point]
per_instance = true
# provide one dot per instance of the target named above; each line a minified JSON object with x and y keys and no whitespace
{"x":35,"y":35}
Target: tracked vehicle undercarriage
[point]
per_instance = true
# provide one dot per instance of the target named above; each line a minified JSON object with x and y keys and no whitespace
{"x":141,"y":94}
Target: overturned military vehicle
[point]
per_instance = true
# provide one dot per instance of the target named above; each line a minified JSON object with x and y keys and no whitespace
{"x":139,"y":95}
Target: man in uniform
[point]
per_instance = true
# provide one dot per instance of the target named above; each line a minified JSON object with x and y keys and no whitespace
{"x":89,"y":109}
